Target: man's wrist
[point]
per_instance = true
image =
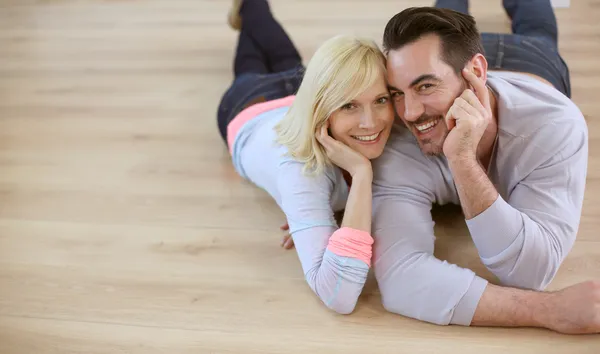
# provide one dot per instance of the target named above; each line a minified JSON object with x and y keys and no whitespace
{"x":510,"y":307}
{"x":463,"y":159}
{"x":541,"y":309}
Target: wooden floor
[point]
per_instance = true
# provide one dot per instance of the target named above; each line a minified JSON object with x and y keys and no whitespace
{"x":123,"y":227}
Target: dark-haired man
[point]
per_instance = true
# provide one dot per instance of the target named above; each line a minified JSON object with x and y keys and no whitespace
{"x":498,"y":135}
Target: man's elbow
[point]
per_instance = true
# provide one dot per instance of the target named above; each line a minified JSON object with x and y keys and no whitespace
{"x":528,"y":283}
{"x":394,"y":303}
{"x":533,"y":275}
{"x":536,"y":262}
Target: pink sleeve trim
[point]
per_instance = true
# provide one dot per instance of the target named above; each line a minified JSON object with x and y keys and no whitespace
{"x":250,"y":113}
{"x":348,"y":242}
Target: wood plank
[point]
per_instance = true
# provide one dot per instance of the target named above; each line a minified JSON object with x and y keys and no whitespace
{"x":125,"y":229}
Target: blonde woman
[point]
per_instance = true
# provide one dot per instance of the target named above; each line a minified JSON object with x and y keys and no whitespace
{"x":307,"y":137}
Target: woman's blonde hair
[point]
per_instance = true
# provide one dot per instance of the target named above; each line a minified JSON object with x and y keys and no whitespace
{"x":340,"y":70}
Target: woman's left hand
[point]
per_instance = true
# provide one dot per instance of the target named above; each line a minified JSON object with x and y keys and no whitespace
{"x":287,"y":242}
{"x":341,"y":154}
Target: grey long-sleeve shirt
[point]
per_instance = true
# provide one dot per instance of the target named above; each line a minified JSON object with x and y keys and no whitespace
{"x":539,"y":168}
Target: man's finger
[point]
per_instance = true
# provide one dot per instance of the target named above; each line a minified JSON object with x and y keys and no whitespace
{"x":449,"y":119}
{"x":479,"y":86}
{"x":470,"y":97}
{"x":461,"y":114}
{"x":285,"y":227}
{"x":468,"y":106}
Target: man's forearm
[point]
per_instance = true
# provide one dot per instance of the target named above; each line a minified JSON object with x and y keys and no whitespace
{"x":508,"y":307}
{"x":573,"y":310}
{"x":475,"y":190}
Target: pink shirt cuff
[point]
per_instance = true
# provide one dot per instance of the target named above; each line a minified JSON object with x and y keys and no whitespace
{"x":348,"y":242}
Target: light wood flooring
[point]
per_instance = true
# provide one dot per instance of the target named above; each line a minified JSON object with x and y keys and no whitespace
{"x":123,"y":226}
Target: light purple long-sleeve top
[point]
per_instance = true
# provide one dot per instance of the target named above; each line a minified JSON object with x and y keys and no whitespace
{"x":335,"y":260}
{"x":539,"y":168}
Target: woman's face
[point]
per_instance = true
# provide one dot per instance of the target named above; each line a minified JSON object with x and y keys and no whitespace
{"x":364,"y":124}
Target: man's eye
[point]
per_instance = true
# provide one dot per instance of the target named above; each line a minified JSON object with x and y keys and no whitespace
{"x":425,"y":87}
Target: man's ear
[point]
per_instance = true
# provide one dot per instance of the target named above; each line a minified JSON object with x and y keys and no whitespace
{"x":478,"y":65}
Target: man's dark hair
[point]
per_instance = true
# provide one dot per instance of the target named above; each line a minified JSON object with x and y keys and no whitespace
{"x":458,"y":33}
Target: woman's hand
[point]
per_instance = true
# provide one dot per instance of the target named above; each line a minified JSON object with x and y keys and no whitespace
{"x":342,"y":155}
{"x":287,"y":242}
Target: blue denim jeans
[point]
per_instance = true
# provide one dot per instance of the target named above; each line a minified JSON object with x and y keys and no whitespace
{"x":533,"y":45}
{"x":267,"y":65}
{"x":250,"y":88}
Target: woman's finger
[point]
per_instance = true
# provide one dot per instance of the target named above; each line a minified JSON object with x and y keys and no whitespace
{"x":288,"y":242}
{"x":321,"y":135}
{"x":284,"y":240}
{"x":324,"y":139}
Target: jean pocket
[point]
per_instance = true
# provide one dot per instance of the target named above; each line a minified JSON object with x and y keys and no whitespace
{"x":545,"y":50}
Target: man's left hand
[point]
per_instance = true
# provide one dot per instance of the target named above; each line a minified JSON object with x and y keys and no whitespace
{"x":467,"y":120}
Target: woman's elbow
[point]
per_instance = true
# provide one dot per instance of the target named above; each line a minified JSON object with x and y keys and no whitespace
{"x":341,"y":308}
{"x":340,"y":300}
{"x":338,"y":287}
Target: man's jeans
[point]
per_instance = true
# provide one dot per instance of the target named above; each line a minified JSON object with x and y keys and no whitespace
{"x":533,"y":46}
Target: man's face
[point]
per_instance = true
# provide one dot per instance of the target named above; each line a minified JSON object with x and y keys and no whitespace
{"x":423,"y":88}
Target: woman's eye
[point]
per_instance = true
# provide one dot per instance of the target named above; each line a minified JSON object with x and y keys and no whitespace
{"x":348,"y":106}
{"x":382,"y":100}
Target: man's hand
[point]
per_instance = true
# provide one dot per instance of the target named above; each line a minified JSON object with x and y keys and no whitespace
{"x":467,"y":120}
{"x":287,"y":242}
{"x":573,"y":310}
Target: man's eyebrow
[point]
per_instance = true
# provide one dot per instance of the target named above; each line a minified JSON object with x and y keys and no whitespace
{"x":423,"y":77}
{"x":416,"y":81}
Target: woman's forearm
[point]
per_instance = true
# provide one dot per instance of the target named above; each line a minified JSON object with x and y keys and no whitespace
{"x":358,"y":207}
{"x":339,"y":277}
